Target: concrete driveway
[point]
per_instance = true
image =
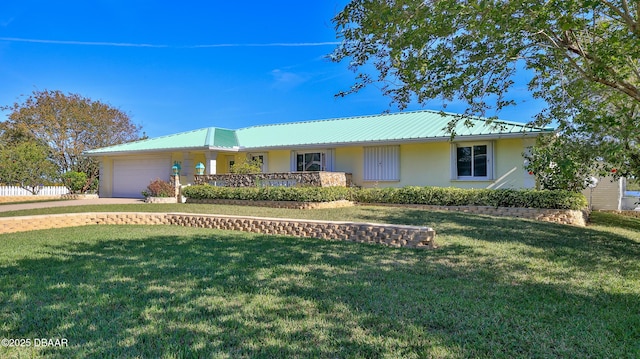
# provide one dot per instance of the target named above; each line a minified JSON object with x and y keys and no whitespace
{"x":75,"y":202}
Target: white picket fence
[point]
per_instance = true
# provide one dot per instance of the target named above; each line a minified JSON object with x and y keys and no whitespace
{"x":6,"y":191}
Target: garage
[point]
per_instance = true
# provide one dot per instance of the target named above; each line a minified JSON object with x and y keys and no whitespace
{"x":131,"y":176}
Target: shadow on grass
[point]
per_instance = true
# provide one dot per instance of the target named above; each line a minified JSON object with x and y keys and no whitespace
{"x":583,"y":242}
{"x":613,"y":220}
{"x":167,"y":291}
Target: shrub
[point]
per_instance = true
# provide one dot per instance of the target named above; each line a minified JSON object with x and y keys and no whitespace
{"x":246,"y":167}
{"x":298,"y":194}
{"x":159,"y":188}
{"x":436,"y":196}
{"x":448,"y":196}
{"x":77,"y":182}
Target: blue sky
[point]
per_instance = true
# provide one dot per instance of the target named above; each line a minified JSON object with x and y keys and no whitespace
{"x":175,"y":66}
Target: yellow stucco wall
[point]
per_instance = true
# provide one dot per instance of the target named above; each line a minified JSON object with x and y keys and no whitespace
{"x":421,"y":164}
{"x":350,"y":159}
{"x":105,"y":186}
{"x":429,"y":164}
{"x":279,"y":161}
{"x":509,"y":165}
{"x":425,"y":164}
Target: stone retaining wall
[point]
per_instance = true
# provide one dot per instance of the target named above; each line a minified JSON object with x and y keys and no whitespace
{"x":562,"y":216}
{"x":390,"y":235}
{"x":10,"y":199}
{"x":274,"y":204}
{"x":79,"y":196}
{"x":627,"y":213}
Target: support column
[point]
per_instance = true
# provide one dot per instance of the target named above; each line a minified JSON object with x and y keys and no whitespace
{"x":176,"y":188}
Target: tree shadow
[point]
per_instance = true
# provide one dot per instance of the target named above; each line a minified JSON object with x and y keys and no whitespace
{"x":580,"y":242}
{"x":200,"y":293}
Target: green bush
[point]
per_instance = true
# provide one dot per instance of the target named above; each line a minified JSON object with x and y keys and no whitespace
{"x":77,"y":182}
{"x":246,"y":167}
{"x":449,"y":196}
{"x":298,"y":194}
{"x":437,"y":196}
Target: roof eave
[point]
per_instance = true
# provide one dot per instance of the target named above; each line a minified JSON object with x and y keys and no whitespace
{"x":459,"y":138}
{"x":157,"y":150}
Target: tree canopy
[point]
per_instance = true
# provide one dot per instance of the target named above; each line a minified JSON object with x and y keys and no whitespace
{"x":26,"y":164}
{"x":584,"y":56}
{"x":68,"y":124}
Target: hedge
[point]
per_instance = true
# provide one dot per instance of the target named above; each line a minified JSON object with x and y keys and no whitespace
{"x":298,"y":194}
{"x":449,"y":196}
{"x":437,"y":196}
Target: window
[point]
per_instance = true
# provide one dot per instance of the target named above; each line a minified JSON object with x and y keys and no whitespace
{"x":231,"y":160}
{"x":472,"y":161}
{"x":310,"y":161}
{"x":259,"y":157}
{"x":382,"y":163}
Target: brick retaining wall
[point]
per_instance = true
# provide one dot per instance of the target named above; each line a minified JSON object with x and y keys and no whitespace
{"x":390,"y":235}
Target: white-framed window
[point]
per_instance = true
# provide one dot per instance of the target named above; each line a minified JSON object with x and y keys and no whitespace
{"x":231,"y":160}
{"x":260,"y":157}
{"x":382,"y":163}
{"x":472,"y":161}
{"x":312,"y":160}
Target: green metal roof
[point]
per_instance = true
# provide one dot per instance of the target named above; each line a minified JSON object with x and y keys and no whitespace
{"x":205,"y":138}
{"x":398,"y":127}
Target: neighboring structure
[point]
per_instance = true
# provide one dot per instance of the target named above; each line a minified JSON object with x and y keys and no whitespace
{"x":611,"y":194}
{"x":409,"y":148}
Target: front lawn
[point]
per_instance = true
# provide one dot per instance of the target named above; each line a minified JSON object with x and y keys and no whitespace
{"x":497,"y":287}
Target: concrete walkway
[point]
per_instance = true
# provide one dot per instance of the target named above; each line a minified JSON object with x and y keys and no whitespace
{"x":75,"y":202}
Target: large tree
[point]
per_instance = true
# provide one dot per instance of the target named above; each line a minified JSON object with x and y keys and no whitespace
{"x":584,"y":56}
{"x":68,"y":124}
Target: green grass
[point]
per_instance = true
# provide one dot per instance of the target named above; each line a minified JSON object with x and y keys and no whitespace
{"x":497,"y":287}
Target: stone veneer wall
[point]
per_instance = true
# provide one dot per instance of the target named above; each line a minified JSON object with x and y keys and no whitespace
{"x":287,"y":179}
{"x":390,"y":235}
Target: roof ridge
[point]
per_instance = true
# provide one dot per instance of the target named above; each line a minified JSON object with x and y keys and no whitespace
{"x":473,"y":117}
{"x":338,"y":118}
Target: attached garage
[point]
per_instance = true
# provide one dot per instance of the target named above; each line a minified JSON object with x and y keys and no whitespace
{"x":131,"y":176}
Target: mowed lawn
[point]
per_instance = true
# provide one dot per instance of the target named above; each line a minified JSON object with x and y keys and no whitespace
{"x":496,"y":288}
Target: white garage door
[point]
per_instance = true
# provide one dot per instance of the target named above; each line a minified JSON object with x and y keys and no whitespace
{"x":131,"y":176}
